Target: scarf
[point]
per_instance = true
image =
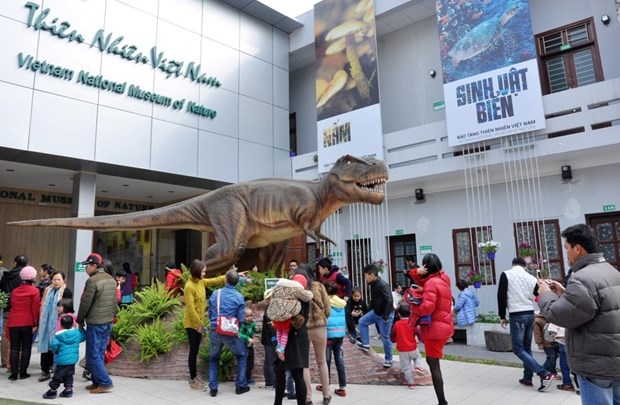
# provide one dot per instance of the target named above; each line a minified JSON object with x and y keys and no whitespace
{"x":49,"y":317}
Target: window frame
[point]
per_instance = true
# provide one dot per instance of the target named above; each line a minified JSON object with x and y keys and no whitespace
{"x":478,"y":234}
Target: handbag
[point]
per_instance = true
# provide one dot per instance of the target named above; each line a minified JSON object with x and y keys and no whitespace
{"x":112,"y":351}
{"x":226,"y":325}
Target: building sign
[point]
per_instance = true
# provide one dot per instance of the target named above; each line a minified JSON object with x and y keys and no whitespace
{"x":271,"y":282}
{"x":610,"y":207}
{"x":490,"y":72}
{"x":424,"y":250}
{"x":44,"y":21}
{"x":347,"y":84}
{"x":65,"y":200}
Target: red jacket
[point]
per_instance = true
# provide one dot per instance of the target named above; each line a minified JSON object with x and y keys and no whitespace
{"x":436,"y":302}
{"x":403,"y":336}
{"x":25,"y":306}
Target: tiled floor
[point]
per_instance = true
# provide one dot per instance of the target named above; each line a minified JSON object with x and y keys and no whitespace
{"x":465,"y":383}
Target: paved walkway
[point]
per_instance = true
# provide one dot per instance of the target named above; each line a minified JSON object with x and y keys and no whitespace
{"x":465,"y":384}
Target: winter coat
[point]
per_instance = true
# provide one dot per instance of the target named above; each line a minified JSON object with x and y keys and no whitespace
{"x":342,"y":281}
{"x":589,"y":309}
{"x":231,"y":305}
{"x":336,"y":323}
{"x":539,"y":332}
{"x":320,"y":307}
{"x":381,"y":298}
{"x":66,"y":346}
{"x":297,"y":352}
{"x":436,"y":302}
{"x":403,"y":336}
{"x":9,"y":281}
{"x":285,"y":300}
{"x":465,"y":307}
{"x":268,"y":332}
{"x":98,"y":302}
{"x":25,"y":306}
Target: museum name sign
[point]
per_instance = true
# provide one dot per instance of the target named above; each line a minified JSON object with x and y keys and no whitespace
{"x":115,"y":45}
{"x":62,"y":200}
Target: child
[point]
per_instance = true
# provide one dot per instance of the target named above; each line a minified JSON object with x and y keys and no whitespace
{"x":285,"y":306}
{"x":336,"y":329}
{"x":246,"y":333}
{"x":121,"y":279}
{"x":65,"y":307}
{"x":356,"y":307}
{"x":413,"y":296}
{"x":66,"y":347}
{"x":406,"y":344}
{"x":550,"y":347}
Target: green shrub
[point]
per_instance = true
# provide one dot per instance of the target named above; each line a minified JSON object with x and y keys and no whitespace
{"x":490,"y":317}
{"x":153,"y":302}
{"x":255,"y":288}
{"x":154,"y":338}
{"x":125,"y":325}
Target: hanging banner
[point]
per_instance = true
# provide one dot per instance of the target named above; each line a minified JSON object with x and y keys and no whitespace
{"x":347,"y":85}
{"x":490,"y":72}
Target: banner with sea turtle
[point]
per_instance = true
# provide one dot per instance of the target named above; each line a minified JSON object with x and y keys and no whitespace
{"x":489,"y":69}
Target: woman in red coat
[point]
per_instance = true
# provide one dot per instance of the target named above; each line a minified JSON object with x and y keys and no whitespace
{"x":23,"y":322}
{"x":436,"y":302}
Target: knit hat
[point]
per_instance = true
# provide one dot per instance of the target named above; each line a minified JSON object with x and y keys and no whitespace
{"x":28,"y":273}
{"x":300,"y":279}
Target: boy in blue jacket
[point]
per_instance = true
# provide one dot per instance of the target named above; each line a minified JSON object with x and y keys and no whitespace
{"x":66,"y":347}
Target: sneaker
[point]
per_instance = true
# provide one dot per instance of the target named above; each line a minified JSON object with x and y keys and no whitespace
{"x":23,"y":376}
{"x":566,"y":387}
{"x":527,"y":383}
{"x":387,"y":364}
{"x":241,"y":390}
{"x":91,"y":387}
{"x":545,"y":381}
{"x":101,"y":389}
{"x":66,"y":393}
{"x":44,"y":377}
{"x":327,"y":400}
{"x":411,"y":386}
{"x":352,"y":340}
{"x":557,"y":376}
{"x":341,"y":392}
{"x":362,"y":346}
{"x":213,"y":392}
{"x":86,"y":375}
{"x":195,"y":383}
{"x":50,"y":394}
{"x":13,"y":377}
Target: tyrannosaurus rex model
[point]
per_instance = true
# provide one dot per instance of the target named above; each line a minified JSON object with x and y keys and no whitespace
{"x":253,"y":214}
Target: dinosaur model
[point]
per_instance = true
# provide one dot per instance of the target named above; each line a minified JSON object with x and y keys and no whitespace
{"x":253,"y":214}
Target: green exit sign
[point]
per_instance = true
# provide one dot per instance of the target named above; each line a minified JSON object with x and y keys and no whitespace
{"x":356,"y":236}
{"x":399,"y":232}
{"x":609,"y":207}
{"x":565,"y":47}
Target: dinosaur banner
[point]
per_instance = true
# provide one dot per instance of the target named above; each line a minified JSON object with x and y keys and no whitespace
{"x":490,"y":72}
{"x":347,"y":85}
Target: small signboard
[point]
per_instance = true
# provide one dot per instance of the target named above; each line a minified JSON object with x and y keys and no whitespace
{"x":425,"y":250}
{"x":399,"y":232}
{"x":80,"y":268}
{"x":439,"y":105}
{"x":271,"y":282}
{"x":609,"y":207}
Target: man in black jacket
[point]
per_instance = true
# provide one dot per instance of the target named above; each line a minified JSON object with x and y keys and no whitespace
{"x":381,"y":313}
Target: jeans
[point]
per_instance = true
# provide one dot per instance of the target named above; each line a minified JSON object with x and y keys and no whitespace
{"x":596,"y":391}
{"x":237,"y":347}
{"x":336,"y":347}
{"x":564,"y":366}
{"x":384,"y":330}
{"x":96,"y":342}
{"x":521,"y":332}
{"x":290,"y":383}
{"x":551,"y":360}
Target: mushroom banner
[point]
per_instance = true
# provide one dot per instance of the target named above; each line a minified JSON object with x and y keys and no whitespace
{"x":347,"y":85}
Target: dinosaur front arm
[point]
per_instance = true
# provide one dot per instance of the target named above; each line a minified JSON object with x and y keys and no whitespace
{"x":318,"y":236}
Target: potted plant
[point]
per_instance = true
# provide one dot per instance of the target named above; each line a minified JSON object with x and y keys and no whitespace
{"x":380,"y":265}
{"x":475,"y":278}
{"x":526,"y":251}
{"x":489,"y":247}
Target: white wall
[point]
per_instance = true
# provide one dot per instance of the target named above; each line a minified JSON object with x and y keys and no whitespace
{"x":42,"y":113}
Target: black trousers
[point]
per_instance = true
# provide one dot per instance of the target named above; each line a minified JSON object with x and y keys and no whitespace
{"x":298,"y":377}
{"x":21,"y":341}
{"x":250,"y":363}
{"x":63,"y":375}
{"x":47,"y":361}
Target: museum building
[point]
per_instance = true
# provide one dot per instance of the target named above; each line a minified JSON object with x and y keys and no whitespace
{"x":123,"y":106}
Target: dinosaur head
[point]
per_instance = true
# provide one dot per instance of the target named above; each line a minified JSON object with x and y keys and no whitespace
{"x":356,"y":180}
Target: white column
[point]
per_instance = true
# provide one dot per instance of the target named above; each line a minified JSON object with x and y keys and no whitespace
{"x":80,"y":241}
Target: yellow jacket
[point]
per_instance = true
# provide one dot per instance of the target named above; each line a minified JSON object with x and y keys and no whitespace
{"x":196,"y":300}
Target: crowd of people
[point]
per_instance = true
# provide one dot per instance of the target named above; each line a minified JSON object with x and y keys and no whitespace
{"x":318,"y":306}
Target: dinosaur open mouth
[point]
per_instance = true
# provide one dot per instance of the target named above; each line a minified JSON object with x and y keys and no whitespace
{"x":375,"y":185}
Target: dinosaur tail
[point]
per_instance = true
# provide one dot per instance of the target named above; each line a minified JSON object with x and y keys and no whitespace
{"x":172,"y":217}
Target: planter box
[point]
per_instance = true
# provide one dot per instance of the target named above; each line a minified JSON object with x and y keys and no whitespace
{"x":475,"y":333}
{"x":497,"y":341}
